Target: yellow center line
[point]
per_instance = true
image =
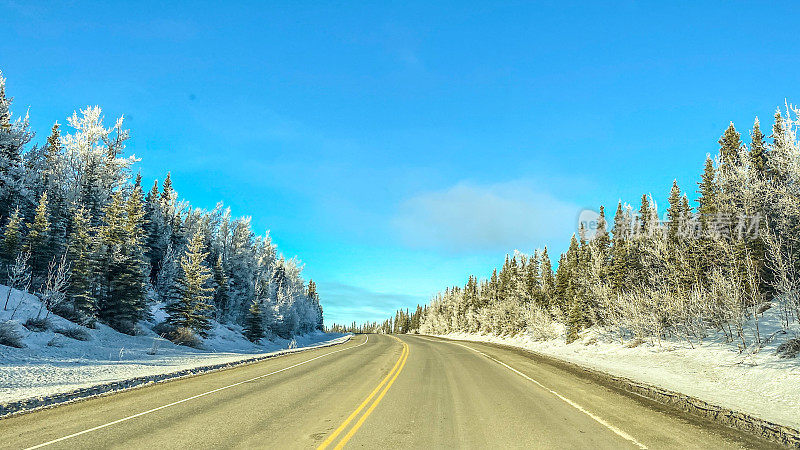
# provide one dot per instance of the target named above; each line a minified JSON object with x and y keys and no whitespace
{"x":388,"y":381}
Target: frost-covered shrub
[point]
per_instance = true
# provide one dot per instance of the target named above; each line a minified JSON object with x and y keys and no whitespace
{"x":185,"y":336}
{"x":37,"y":324}
{"x":77,"y":333}
{"x":9,"y":335}
{"x":57,"y":342}
{"x":789,"y":349}
{"x":539,"y":325}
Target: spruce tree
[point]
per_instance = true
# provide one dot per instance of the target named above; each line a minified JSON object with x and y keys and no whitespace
{"x":53,"y":147}
{"x":254,"y":322}
{"x":601,"y":238}
{"x":167,"y":193}
{"x":546,"y":279}
{"x":134,"y":250}
{"x":38,"y":240}
{"x":644,"y":217}
{"x":80,"y":289}
{"x":758,"y":149}
{"x":576,"y":318}
{"x":55,"y":187}
{"x":674,"y":213}
{"x":13,"y":137}
{"x":707,"y":202}
{"x":621,"y":229}
{"x":730,"y":143}
{"x":779,"y":150}
{"x":154,"y":229}
{"x":221,"y":294}
{"x":313,"y":297}
{"x":191,"y":308}
{"x":12,"y":238}
{"x":686,"y":220}
{"x":533,"y":289}
{"x":121,"y":291}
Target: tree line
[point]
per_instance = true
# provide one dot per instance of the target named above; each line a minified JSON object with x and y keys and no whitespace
{"x":402,"y":323}
{"x":715,"y":266}
{"x":83,"y":234}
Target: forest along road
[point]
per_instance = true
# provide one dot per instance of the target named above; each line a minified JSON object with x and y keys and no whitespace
{"x":374,"y":391}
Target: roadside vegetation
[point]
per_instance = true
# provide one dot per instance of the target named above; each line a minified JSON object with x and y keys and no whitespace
{"x":80,"y":231}
{"x":714,"y":264}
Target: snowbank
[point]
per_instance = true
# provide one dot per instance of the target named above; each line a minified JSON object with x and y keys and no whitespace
{"x":760,"y":384}
{"x":51,"y":363}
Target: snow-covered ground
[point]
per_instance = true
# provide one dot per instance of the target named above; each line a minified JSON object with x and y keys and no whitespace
{"x":760,"y":384}
{"x":52,"y":363}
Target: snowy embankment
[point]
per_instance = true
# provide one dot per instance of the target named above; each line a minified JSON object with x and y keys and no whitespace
{"x":760,"y":384}
{"x":52,"y":363}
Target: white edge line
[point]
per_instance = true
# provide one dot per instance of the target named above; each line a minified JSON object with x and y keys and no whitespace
{"x":124,"y":419}
{"x":599,"y":420}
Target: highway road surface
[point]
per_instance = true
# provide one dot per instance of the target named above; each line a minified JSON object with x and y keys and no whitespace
{"x":376,"y":392}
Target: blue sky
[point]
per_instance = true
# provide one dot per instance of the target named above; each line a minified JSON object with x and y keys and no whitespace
{"x":396,"y":147}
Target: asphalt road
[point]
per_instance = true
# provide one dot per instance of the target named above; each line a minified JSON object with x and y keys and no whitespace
{"x":374,"y":392}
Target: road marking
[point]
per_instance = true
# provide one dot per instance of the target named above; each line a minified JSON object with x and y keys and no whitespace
{"x":388,"y":381}
{"x":580,"y":408}
{"x":124,"y":419}
{"x":363,"y":404}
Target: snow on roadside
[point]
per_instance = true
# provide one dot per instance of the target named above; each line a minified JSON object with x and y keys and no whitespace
{"x":760,"y":384}
{"x":52,"y":363}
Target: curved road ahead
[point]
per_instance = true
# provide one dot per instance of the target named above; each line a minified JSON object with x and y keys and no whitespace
{"x":375,"y":391}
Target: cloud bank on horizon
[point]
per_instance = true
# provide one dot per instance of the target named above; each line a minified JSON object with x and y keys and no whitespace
{"x":469,"y":217}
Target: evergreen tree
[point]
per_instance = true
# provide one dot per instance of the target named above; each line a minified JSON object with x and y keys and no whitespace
{"x":644,"y":217}
{"x":155,"y":230}
{"x":12,"y":238}
{"x":533,"y":288}
{"x":601,"y":238}
{"x":675,"y":213}
{"x":254,"y":323}
{"x":167,"y":193}
{"x":313,"y":297}
{"x":121,"y":300}
{"x":190,"y":309}
{"x":221,"y":295}
{"x":54,"y":183}
{"x":686,"y":220}
{"x":780,"y":151}
{"x":707,"y":202}
{"x":547,"y":281}
{"x":13,"y":137}
{"x":730,"y":143}
{"x":38,"y":240}
{"x":758,"y":149}
{"x":80,"y":289}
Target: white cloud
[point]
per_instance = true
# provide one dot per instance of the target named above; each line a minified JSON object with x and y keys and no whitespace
{"x":344,"y":303}
{"x":497,"y":217}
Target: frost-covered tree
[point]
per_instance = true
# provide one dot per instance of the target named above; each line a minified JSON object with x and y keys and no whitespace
{"x":81,"y":252}
{"x":14,"y":135}
{"x":12,"y":238}
{"x":37,"y":241}
{"x":713,"y":268}
{"x":192,"y":306}
{"x":121,"y":288}
{"x":758,"y":149}
{"x":254,"y":323}
{"x":77,"y":197}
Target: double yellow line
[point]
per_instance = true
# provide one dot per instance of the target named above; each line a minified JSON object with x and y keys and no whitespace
{"x":388,"y":381}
